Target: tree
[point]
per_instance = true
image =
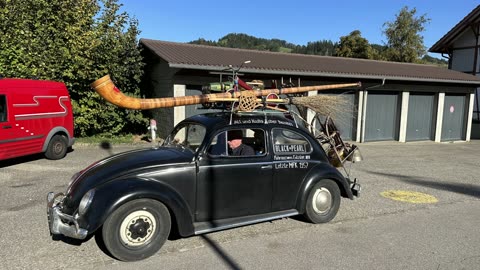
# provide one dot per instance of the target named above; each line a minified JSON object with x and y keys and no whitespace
{"x":354,"y":46}
{"x":115,"y":52}
{"x":76,"y":42}
{"x":321,"y":47}
{"x":405,"y":44}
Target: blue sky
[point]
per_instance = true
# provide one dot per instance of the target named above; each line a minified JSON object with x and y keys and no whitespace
{"x":298,"y":21}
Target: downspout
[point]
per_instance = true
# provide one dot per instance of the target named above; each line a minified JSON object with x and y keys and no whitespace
{"x":378,"y":85}
{"x":449,"y":57}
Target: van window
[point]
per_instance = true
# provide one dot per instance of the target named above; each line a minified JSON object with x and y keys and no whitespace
{"x":3,"y":108}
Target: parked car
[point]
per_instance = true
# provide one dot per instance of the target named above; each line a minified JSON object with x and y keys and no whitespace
{"x":35,"y":117}
{"x":193,"y":184}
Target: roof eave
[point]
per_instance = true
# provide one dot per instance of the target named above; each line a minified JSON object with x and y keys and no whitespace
{"x":442,"y":45}
{"x":326,"y":74}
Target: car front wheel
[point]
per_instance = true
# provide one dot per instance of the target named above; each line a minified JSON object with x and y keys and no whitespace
{"x":136,"y":230}
{"x":323,"y":202}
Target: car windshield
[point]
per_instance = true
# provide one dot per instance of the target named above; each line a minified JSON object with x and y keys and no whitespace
{"x":188,"y":136}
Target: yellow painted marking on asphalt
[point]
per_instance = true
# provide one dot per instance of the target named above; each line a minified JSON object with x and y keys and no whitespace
{"x":409,"y":196}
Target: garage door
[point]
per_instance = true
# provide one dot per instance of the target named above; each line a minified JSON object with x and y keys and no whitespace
{"x":420,"y":117}
{"x":381,"y":119}
{"x":346,"y":118}
{"x":453,"y":127}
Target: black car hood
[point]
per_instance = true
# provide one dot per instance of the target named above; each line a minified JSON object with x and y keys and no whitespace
{"x":123,"y":165}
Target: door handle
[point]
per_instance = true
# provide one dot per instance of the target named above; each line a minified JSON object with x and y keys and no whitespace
{"x":264,"y":167}
{"x":5,"y":127}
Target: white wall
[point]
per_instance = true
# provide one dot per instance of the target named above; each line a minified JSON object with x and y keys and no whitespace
{"x":463,"y":52}
{"x":466,"y":39}
{"x":462,"y":60}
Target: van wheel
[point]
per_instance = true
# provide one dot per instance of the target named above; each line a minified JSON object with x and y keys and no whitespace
{"x":57,"y":147}
{"x":323,"y":202}
{"x":136,"y":230}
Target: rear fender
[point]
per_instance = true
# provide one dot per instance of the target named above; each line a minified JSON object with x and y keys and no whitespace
{"x":113,"y":194}
{"x":318,"y":173}
{"x":57,"y":130}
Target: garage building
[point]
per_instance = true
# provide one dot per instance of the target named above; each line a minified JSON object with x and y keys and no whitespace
{"x":397,"y":101}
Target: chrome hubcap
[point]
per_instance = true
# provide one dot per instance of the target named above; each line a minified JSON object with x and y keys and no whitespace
{"x":322,"y":201}
{"x":137,"y":228}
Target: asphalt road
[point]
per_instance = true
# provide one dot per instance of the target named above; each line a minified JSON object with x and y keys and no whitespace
{"x":372,"y":232}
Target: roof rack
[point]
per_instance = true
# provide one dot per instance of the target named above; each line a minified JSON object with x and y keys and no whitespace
{"x":265,"y":111}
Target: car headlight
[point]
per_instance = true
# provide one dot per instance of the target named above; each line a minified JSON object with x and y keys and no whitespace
{"x":86,"y":201}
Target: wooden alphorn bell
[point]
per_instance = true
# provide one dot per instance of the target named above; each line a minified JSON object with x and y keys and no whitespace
{"x":107,"y":89}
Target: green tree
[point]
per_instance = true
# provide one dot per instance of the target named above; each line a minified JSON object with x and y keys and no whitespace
{"x":429,"y":60}
{"x":354,"y":46}
{"x":405,"y":43}
{"x":321,"y":47}
{"x":243,"y":41}
{"x":117,"y":54}
{"x":76,"y":42}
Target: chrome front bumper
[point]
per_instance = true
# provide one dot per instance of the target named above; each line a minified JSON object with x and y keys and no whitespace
{"x":60,"y":223}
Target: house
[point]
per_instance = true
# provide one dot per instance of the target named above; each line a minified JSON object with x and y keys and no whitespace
{"x":461,"y":46}
{"x":397,"y":101}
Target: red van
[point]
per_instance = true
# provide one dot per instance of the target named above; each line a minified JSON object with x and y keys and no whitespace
{"x":35,"y":117}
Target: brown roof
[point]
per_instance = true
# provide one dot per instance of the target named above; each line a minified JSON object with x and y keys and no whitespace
{"x":449,"y":38}
{"x":190,"y":56}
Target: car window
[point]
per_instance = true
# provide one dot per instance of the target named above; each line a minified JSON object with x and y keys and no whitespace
{"x":3,"y":108}
{"x":238,"y":142}
{"x":189,"y":136}
{"x":286,"y":141}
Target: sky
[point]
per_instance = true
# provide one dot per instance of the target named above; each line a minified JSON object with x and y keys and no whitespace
{"x":297,"y":21}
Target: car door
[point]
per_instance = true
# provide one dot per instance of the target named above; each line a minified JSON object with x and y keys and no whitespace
{"x":8,"y":134}
{"x":292,"y":155}
{"x":234,"y":186}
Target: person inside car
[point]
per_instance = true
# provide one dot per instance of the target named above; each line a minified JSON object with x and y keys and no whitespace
{"x":237,"y":147}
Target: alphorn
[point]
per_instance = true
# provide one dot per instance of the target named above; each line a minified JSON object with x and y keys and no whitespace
{"x":107,"y":89}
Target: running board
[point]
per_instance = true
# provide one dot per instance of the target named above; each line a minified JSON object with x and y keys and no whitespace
{"x":228,"y":223}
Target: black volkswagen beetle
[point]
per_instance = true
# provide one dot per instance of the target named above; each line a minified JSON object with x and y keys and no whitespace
{"x":195,"y":184}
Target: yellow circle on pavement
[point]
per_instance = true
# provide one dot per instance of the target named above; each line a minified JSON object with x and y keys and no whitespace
{"x":409,"y":196}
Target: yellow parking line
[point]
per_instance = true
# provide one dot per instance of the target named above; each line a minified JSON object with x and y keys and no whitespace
{"x":409,"y":196}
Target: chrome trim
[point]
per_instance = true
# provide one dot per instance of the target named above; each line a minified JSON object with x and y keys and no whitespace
{"x":61,"y":223}
{"x":239,"y":164}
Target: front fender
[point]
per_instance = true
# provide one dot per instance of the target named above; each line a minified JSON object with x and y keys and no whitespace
{"x":319,"y":172}
{"x":112,"y":195}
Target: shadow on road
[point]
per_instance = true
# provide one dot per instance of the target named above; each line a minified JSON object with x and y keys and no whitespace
{"x":230,"y":262}
{"x":19,"y":160}
{"x":71,"y":241}
{"x":460,"y":188}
